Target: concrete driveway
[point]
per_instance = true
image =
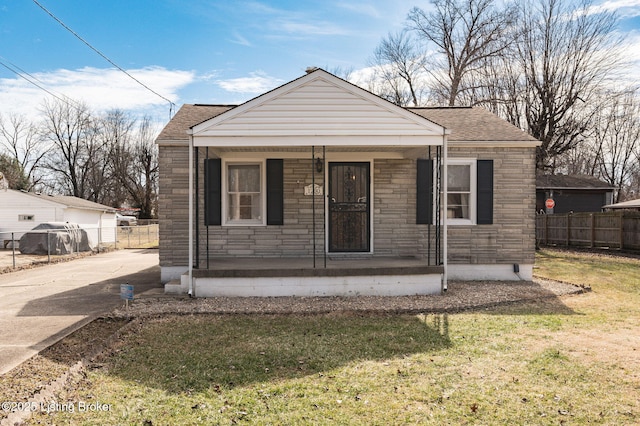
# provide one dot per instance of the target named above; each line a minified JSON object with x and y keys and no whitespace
{"x":40,"y":306}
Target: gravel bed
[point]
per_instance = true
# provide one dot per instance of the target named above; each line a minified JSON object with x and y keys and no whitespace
{"x":35,"y":380}
{"x":460,"y":296}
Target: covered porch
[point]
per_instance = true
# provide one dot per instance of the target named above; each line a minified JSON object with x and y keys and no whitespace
{"x":316,"y":188}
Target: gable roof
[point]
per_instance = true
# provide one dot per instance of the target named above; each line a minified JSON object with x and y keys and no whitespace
{"x":321,"y":104}
{"x":317,"y":104}
{"x":571,"y":182}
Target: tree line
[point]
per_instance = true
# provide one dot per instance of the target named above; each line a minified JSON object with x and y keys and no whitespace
{"x":554,"y":68}
{"x":108,"y":158}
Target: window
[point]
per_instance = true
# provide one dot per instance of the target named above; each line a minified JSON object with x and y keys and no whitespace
{"x":244,"y":194}
{"x":469,"y":192}
{"x":461,"y":188}
{"x":26,"y":218}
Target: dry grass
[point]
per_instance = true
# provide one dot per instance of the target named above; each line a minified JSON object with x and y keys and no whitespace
{"x":572,"y":361}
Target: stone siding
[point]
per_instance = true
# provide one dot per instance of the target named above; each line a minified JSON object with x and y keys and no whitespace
{"x":509,"y":240}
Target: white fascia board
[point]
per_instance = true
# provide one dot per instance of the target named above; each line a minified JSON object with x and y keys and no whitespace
{"x":308,"y":141}
{"x":493,"y":144}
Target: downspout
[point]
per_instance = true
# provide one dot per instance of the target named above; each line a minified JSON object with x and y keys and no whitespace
{"x":445,"y":237}
{"x":191,"y":292}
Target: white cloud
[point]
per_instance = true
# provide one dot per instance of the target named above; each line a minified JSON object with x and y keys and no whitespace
{"x":279,"y":22}
{"x":363,"y":8}
{"x":240,"y":39}
{"x":257,"y":83}
{"x":308,"y":28}
{"x":625,"y":8}
{"x":101,"y":89}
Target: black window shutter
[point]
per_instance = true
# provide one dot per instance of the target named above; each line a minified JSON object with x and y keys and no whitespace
{"x":485,"y":192}
{"x":275,"y":192}
{"x":212,"y":191}
{"x":424,"y":196}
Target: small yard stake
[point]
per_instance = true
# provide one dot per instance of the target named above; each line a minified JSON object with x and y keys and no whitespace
{"x":126,"y":293}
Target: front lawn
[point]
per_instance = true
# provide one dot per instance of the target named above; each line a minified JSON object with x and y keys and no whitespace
{"x":573,"y":361}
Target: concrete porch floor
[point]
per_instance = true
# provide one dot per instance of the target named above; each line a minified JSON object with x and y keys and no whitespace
{"x":352,"y":265}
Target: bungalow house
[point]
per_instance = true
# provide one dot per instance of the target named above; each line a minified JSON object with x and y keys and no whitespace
{"x":319,"y":187}
{"x":21,"y":211}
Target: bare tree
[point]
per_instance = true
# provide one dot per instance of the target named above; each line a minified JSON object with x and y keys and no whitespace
{"x":399,"y":65}
{"x":566,"y":54}
{"x":71,"y":130}
{"x":136,"y":165}
{"x":117,"y":133}
{"x":21,"y":140}
{"x":466,"y":35}
{"x":617,"y":141}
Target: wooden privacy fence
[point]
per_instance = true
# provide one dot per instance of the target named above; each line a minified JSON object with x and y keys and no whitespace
{"x":616,"y":230}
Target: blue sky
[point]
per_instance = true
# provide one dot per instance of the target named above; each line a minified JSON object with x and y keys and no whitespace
{"x":193,"y":51}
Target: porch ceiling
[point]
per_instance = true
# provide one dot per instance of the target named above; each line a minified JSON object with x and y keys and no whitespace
{"x":372,"y":141}
{"x":305,"y":152}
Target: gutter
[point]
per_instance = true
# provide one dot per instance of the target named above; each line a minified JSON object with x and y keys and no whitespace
{"x":191,"y":289}
{"x":445,"y":242}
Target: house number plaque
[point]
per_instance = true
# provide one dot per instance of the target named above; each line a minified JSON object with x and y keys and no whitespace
{"x":313,"y":190}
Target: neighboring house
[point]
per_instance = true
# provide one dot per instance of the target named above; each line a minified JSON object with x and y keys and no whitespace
{"x":572,"y":193}
{"x":625,"y":205}
{"x":21,"y":211}
{"x":319,"y":187}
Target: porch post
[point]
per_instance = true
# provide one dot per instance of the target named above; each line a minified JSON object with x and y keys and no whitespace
{"x":313,"y":201}
{"x":445,"y":237}
{"x":191,"y":293}
{"x":324,"y":204}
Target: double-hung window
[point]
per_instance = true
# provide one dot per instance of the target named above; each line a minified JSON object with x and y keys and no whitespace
{"x":469,"y":192}
{"x":244,"y":194}
{"x":461,"y":191}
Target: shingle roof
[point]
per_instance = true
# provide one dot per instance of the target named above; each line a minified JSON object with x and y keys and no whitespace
{"x":473,"y":124}
{"x":631,"y":204}
{"x":570,"y":182}
{"x":469,"y":124}
{"x":188,"y":116}
{"x":74,"y":202}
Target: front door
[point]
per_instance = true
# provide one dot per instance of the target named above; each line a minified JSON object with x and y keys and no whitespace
{"x":349,"y":213}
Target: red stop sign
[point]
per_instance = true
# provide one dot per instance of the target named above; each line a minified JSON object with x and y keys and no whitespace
{"x":550,"y":203}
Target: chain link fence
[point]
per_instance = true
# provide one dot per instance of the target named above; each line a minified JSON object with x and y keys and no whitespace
{"x":103,"y":239}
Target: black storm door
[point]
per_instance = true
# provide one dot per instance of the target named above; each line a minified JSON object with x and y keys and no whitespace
{"x":349,"y":213}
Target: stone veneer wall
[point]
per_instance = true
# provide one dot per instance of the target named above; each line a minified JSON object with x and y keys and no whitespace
{"x":511,"y":239}
{"x":173,"y":205}
{"x":393,"y":217}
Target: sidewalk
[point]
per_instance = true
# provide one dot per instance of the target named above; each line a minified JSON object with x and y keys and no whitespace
{"x":39,"y":306}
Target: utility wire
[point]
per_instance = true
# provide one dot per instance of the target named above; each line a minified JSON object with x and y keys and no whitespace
{"x":32,"y":80}
{"x":171,"y":104}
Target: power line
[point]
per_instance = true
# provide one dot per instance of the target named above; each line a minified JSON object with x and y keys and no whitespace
{"x":32,"y":80}
{"x":171,"y":104}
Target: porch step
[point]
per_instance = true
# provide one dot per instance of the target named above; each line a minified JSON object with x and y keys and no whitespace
{"x":173,"y":287}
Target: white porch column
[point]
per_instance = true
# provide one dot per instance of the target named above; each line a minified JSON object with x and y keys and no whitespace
{"x":191,"y":212}
{"x":445,"y":240}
